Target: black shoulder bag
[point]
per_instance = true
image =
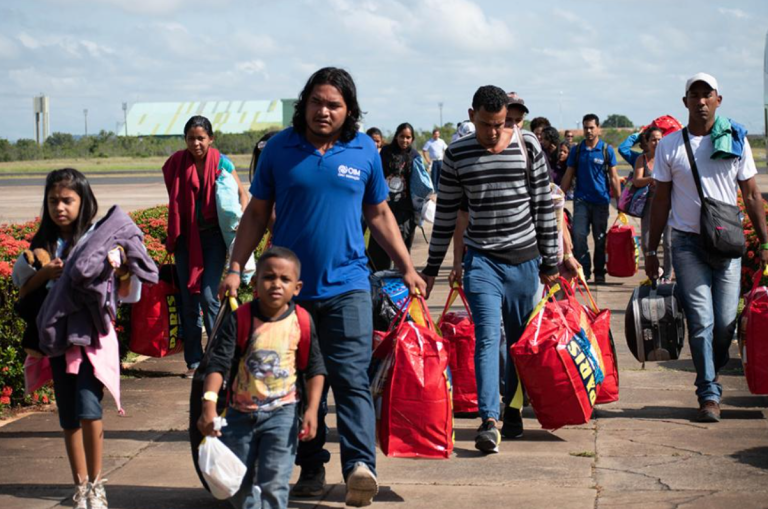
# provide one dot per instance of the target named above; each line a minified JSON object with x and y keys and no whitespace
{"x":720,"y":225}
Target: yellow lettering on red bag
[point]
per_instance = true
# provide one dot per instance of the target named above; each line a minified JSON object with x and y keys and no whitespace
{"x":173,"y":321}
{"x":586,"y":372}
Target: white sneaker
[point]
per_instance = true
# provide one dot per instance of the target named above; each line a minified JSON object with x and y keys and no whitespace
{"x":97,"y":495}
{"x":80,"y":498}
{"x":361,"y":486}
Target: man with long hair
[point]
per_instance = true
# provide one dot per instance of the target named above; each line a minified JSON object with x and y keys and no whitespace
{"x":320,"y":174}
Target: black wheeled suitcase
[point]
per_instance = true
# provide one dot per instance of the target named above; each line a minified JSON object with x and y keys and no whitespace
{"x":654,"y":324}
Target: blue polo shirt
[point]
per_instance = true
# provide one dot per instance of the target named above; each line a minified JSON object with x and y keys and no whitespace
{"x":318,"y":203}
{"x":592,"y":182}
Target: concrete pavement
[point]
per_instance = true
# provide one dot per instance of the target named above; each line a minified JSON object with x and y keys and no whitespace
{"x":644,"y":450}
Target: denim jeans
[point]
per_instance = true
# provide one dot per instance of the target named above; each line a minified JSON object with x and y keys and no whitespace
{"x":437,"y":166}
{"x":344,"y":326}
{"x":708,"y":287}
{"x":494,"y":289}
{"x":214,"y":258}
{"x":586,"y":215}
{"x":266,"y":443}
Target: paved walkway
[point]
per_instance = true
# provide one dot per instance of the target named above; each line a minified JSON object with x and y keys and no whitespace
{"x":643,"y":451}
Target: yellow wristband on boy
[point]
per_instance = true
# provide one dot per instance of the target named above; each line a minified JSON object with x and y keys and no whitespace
{"x":125,"y":276}
{"x":211,"y":396}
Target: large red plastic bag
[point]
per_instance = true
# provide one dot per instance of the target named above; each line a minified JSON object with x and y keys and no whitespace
{"x":559,"y":362}
{"x":458,"y":330}
{"x":222,"y":469}
{"x":623,"y":256}
{"x":156,"y":317}
{"x":414,"y":410}
{"x":753,"y":341}
{"x":600,"y":320}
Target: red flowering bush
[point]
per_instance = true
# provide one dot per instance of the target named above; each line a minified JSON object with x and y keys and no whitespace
{"x":14,"y":238}
{"x":750,"y":262}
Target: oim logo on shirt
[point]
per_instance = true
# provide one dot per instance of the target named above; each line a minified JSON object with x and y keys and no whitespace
{"x":349,"y":172}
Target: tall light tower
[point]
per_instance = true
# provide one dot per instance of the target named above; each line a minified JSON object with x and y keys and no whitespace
{"x":40,"y":106}
{"x":440,"y":106}
{"x":85,"y":117}
{"x":125,"y":118}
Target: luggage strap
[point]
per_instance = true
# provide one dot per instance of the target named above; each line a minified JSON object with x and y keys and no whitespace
{"x":456,"y":291}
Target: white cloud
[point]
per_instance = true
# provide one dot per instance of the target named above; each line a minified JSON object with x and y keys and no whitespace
{"x":254,"y":44}
{"x":463,"y":25}
{"x":251,"y":67}
{"x":736,"y":13}
{"x":8,"y":48}
{"x":69,"y":45}
{"x":28,"y":41}
{"x":48,"y":83}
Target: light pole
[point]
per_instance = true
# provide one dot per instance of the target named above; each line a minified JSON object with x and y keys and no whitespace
{"x":125,"y":118}
{"x":85,"y":116}
{"x":440,"y":106}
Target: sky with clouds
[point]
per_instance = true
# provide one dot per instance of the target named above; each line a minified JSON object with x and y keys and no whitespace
{"x":564,"y":58}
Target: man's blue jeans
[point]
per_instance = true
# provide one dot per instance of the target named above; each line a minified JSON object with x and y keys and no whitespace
{"x":708,"y":287}
{"x":586,"y":215}
{"x":214,"y":258}
{"x":494,"y":289}
{"x":437,"y":166}
{"x":266,"y":444}
{"x":344,"y":326}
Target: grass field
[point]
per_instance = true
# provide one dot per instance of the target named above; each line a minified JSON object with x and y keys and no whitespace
{"x":151,"y":165}
{"x":142,"y":165}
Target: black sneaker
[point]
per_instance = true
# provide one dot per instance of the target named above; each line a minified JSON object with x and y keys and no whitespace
{"x":311,"y":483}
{"x":599,"y":279}
{"x":488,"y":437}
{"x":513,"y":423}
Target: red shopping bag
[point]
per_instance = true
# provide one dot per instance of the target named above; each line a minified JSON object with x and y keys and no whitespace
{"x":600,"y":320}
{"x":458,"y":330}
{"x":621,"y":250}
{"x":415,"y":418}
{"x":753,"y":342}
{"x":559,"y":361}
{"x":156,"y":318}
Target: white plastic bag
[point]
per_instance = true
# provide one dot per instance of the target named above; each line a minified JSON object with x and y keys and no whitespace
{"x":222,"y":470}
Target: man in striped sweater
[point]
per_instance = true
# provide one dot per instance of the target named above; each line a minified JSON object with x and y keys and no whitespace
{"x":511,"y":240}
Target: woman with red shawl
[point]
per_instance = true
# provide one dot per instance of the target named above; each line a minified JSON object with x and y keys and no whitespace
{"x":194,"y":236}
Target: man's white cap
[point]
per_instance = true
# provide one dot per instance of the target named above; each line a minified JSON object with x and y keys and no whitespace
{"x":701,"y":76}
{"x":466,"y":128}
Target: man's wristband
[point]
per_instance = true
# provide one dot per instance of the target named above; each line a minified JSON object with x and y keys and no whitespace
{"x":650,"y":253}
{"x":567,"y":256}
{"x":238,"y":272}
{"x":211,"y":396}
{"x":764,"y":247}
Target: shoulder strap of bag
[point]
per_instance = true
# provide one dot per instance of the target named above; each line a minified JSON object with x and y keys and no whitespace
{"x":528,"y":158}
{"x":578,"y":154}
{"x":244,"y":324}
{"x":305,"y":325}
{"x":692,"y":162}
